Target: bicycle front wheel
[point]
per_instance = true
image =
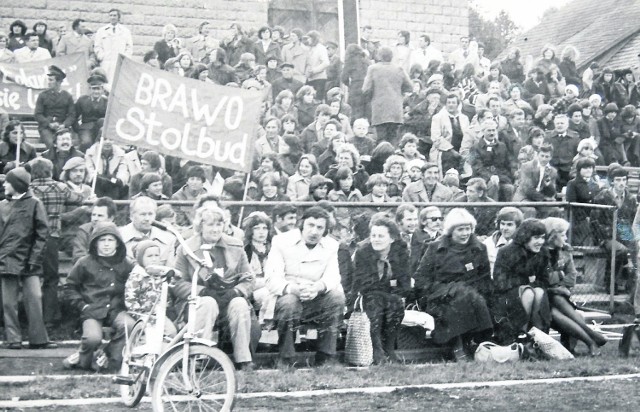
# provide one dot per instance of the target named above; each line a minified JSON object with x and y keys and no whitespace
{"x":133,"y":367}
{"x":211,"y":382}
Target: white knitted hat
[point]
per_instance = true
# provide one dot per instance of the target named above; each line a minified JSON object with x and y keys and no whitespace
{"x":458,"y":217}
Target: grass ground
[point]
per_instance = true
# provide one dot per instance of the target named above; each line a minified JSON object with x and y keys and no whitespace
{"x":582,"y":396}
{"x":338,"y":377}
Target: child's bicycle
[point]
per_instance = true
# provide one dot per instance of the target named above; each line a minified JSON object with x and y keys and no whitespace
{"x":185,"y":372}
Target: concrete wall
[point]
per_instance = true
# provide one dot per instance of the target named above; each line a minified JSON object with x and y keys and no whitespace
{"x":443,"y":20}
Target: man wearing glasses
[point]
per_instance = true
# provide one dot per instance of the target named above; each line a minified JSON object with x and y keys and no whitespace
{"x":430,"y":222}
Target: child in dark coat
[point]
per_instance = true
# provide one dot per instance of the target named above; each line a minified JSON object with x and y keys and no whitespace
{"x":96,"y":287}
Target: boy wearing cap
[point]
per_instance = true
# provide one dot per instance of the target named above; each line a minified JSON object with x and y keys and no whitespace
{"x":23,"y":233}
{"x":54,"y":107}
{"x":89,"y":109}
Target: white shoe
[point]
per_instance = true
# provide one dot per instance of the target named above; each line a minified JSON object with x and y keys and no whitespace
{"x":71,"y":361}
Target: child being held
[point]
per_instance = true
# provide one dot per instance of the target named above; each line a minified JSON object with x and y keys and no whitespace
{"x":144,"y":286}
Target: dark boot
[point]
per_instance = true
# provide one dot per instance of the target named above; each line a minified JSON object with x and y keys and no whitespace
{"x":376,"y":342}
{"x":390,"y":338}
{"x":458,"y":351}
{"x":627,"y":337}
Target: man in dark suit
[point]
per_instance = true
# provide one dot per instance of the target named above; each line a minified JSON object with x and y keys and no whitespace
{"x":489,"y":160}
{"x":565,"y":147}
{"x":536,"y":177}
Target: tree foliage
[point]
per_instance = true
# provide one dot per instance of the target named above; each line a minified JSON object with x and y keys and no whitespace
{"x":496,"y":34}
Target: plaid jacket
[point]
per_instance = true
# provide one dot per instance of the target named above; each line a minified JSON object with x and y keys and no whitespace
{"x":55,"y":196}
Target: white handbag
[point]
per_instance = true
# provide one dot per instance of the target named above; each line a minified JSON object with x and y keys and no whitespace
{"x":413,"y":316}
{"x":490,"y":352}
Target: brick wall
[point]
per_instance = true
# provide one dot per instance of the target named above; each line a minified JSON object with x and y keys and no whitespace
{"x":444,"y":20}
{"x":145,"y":18}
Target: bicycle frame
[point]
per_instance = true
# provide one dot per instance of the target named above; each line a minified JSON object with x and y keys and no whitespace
{"x":188,"y":333}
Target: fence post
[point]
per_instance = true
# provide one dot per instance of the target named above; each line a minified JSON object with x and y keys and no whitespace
{"x":612,"y":282}
{"x":570,"y":240}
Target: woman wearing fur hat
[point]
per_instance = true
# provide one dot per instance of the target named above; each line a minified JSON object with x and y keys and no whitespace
{"x":520,"y":278}
{"x":453,"y":283}
{"x":582,"y":189}
{"x":151,"y":162}
{"x":319,"y":188}
{"x":611,"y":138}
{"x":151,"y":186}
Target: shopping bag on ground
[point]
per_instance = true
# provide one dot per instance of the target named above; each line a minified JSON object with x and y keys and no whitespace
{"x":358,"y":350}
{"x":490,"y":352}
{"x":551,"y":348}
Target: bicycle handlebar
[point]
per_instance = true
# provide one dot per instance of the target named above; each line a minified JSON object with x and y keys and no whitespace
{"x":183,"y":243}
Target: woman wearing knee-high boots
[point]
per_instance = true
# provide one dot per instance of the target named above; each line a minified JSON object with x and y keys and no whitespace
{"x":562,"y":277}
{"x":382,"y":278}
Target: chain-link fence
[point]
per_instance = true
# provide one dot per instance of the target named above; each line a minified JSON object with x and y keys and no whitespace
{"x":605,"y":274}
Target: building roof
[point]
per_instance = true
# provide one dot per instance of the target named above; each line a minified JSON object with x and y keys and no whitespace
{"x":594,"y":27}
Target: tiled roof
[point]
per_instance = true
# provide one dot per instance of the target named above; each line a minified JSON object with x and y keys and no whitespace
{"x":592,"y":26}
{"x":626,"y":56}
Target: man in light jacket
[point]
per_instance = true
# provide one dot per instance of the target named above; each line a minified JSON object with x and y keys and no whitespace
{"x":302,"y":271}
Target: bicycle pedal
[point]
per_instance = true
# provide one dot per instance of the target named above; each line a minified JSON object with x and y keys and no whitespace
{"x":124,"y":380}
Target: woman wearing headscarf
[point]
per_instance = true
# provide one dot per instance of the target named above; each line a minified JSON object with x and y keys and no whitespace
{"x":453,"y":284}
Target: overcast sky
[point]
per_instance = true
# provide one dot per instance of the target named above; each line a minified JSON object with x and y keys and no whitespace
{"x":526,"y":14}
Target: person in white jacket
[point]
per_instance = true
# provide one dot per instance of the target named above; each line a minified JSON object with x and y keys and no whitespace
{"x":111,"y":40}
{"x":507,"y":221}
{"x":302,"y":271}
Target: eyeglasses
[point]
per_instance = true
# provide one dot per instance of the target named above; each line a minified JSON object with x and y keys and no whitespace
{"x":434,"y":219}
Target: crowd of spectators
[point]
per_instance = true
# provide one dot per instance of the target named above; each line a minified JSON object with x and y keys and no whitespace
{"x":389,"y":124}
